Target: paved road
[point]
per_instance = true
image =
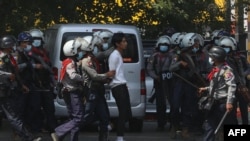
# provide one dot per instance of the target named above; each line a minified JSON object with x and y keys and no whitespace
{"x":148,"y":134}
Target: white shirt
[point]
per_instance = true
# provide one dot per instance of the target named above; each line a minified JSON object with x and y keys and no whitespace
{"x":116,"y":63}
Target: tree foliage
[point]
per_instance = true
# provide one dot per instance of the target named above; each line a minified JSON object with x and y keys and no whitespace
{"x":152,"y":16}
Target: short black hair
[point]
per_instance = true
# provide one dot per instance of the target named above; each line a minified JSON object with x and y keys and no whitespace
{"x":117,"y":38}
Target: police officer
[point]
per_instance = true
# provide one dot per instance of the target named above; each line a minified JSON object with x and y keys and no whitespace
{"x":96,"y":104}
{"x":192,"y":65}
{"x":45,"y":97}
{"x":215,"y":37}
{"x":10,"y":83}
{"x":72,"y":92}
{"x":223,"y":93}
{"x":238,"y":62}
{"x":27,"y":66}
{"x":158,"y":69}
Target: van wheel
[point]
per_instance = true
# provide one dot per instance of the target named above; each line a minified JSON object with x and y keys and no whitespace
{"x":135,"y":125}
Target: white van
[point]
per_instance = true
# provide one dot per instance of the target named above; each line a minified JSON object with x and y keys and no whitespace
{"x":57,"y":35}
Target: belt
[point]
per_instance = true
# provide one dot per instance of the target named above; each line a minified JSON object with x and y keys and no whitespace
{"x":221,"y":100}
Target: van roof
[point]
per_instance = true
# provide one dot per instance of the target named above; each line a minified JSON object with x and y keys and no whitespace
{"x":93,"y":26}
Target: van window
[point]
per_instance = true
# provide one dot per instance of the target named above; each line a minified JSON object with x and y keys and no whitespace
{"x":130,"y":55}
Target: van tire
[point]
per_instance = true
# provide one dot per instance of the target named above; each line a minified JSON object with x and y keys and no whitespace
{"x":135,"y":125}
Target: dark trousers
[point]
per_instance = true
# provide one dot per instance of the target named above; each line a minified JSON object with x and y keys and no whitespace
{"x":96,"y":108}
{"x":74,"y":102}
{"x":161,"y":106}
{"x":213,"y":119}
{"x":121,"y":95}
{"x":8,"y":107}
{"x":184,"y":107}
{"x":243,"y":105}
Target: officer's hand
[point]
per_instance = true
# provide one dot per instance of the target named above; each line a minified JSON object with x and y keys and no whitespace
{"x":39,"y":66}
{"x":201,"y":90}
{"x":110,"y":73}
{"x":12,"y":77}
{"x":248,"y":77}
{"x":229,"y":107}
{"x":183,"y":63}
{"x":25,"y":89}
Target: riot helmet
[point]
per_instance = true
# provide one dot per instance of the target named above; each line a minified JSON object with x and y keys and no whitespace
{"x":70,"y":48}
{"x":228,"y":43}
{"x":38,"y":37}
{"x":163,"y":43}
{"x":217,"y":53}
{"x":7,"y":41}
{"x":217,"y":34}
{"x":85,"y":43}
{"x":24,"y":37}
{"x":177,"y":38}
{"x":190,"y":39}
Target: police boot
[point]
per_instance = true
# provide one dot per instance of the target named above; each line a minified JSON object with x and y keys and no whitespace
{"x":173,"y":132}
{"x":103,"y":136}
{"x":186,"y":135}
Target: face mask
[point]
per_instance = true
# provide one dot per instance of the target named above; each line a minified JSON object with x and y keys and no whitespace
{"x":37,"y":43}
{"x":95,"y":51}
{"x":80,"y":55}
{"x":105,"y":46}
{"x":216,"y":42}
{"x":195,"y":49}
{"x":163,"y":48}
{"x":28,"y":48}
{"x":2,"y":54}
{"x":227,"y":49}
{"x":14,"y":48}
{"x":211,"y":62}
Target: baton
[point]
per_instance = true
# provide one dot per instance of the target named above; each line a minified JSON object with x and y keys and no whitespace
{"x":39,"y":90}
{"x":190,"y":83}
{"x":221,"y":121}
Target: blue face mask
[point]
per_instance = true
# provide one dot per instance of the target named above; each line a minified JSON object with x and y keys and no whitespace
{"x":28,"y":48}
{"x":163,"y":48}
{"x":80,"y":55}
{"x":95,"y":51}
{"x":37,"y":43}
{"x":227,"y":49}
{"x":216,"y":42}
{"x":195,"y":49}
{"x":105,"y":46}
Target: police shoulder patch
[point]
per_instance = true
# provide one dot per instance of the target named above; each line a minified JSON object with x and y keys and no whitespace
{"x":228,"y":75}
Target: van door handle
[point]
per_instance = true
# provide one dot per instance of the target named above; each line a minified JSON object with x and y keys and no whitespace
{"x":131,"y":72}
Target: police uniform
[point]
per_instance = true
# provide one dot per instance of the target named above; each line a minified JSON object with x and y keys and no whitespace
{"x":96,"y":102}
{"x":26,"y":71}
{"x":73,"y":96}
{"x":8,"y":91}
{"x":185,"y":95}
{"x":43,"y":97}
{"x":224,"y":93}
{"x":240,"y":67}
{"x":158,"y":69}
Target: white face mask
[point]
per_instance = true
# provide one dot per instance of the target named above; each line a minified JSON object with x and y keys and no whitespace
{"x":105,"y":46}
{"x":95,"y":50}
{"x":28,"y":48}
{"x":210,"y":60}
{"x":163,"y":48}
{"x":216,"y":42}
{"x":37,"y":43}
{"x":227,"y":49}
{"x":195,"y":49}
{"x":80,"y":55}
